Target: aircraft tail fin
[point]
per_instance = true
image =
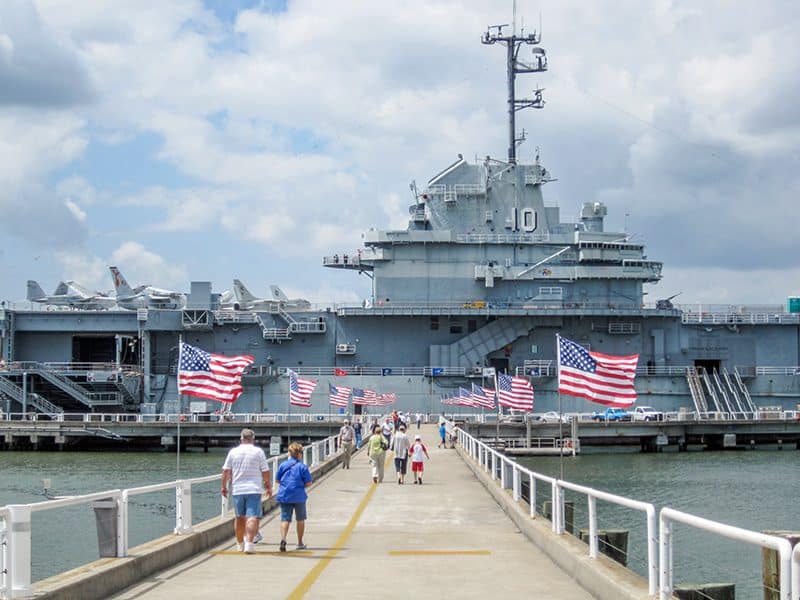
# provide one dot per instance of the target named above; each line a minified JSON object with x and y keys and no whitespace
{"x":62,"y":289}
{"x":122,"y":287}
{"x":35,"y":291}
{"x":241,"y":293}
{"x":277,"y":294}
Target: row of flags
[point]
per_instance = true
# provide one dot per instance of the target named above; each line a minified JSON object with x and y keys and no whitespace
{"x":595,"y":376}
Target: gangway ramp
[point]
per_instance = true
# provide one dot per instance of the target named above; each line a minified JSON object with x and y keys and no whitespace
{"x":445,"y":538}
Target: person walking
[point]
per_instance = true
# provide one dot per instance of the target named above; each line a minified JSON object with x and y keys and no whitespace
{"x":418,"y":455}
{"x":357,"y":428}
{"x":246,"y":469}
{"x":387,"y":429}
{"x":400,"y":446}
{"x":419,"y":419}
{"x":293,"y":477}
{"x":347,"y":436}
{"x":442,"y":434}
{"x":376,"y":452}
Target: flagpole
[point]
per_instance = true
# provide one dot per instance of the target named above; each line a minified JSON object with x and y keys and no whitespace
{"x":560,"y":413}
{"x":499,"y":409}
{"x":289,"y":417}
{"x":180,"y":412}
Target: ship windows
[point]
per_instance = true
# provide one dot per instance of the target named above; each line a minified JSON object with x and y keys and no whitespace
{"x":529,"y":220}
{"x":472,"y":325}
{"x":434,"y":323}
{"x":456,"y":327}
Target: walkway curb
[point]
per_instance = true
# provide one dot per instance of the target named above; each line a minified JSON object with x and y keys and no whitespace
{"x":601,"y":577}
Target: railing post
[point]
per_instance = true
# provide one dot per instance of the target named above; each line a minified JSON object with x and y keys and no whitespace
{"x":314,"y":454}
{"x":19,"y":563}
{"x":665,"y":558}
{"x":532,"y":494}
{"x":555,"y":523}
{"x":183,"y":507}
{"x":515,"y":484}
{"x":592,"y":526}
{"x":503,"y":473}
{"x":494,"y":465}
{"x":796,"y":573}
{"x":122,"y":524}
{"x":652,"y":551}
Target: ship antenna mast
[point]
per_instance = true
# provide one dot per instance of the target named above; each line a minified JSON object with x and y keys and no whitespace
{"x":514,"y":64}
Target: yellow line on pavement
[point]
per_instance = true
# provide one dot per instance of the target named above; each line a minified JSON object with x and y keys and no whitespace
{"x":300,"y":591}
{"x":439,"y":552}
{"x":298,"y":553}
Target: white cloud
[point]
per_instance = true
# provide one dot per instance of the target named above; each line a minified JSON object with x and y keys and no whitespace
{"x":142,"y":266}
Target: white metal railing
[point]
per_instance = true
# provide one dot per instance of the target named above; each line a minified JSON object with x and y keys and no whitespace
{"x":15,"y":519}
{"x":492,"y":460}
{"x":668,"y":516}
{"x":796,"y":573}
{"x":592,"y":496}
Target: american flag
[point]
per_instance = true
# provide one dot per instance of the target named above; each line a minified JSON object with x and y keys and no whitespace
{"x":600,"y":378}
{"x":300,"y":390}
{"x":339,"y":395}
{"x":482,"y":397}
{"x":212,"y":376}
{"x":387,"y":398}
{"x":363,"y":397}
{"x":514,"y":392}
{"x":465,"y":398}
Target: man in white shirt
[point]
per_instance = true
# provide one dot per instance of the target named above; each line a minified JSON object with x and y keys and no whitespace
{"x":247,"y":470}
{"x":347,"y":437}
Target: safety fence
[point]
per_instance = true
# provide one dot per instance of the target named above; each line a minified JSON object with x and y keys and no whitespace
{"x":112,"y":513}
{"x":658,"y":541}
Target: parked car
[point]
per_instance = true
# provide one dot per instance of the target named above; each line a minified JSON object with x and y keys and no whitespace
{"x":647,"y":413}
{"x":552,"y":417}
{"x":612,"y":414}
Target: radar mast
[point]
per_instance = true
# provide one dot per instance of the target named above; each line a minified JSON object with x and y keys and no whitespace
{"x":514,"y":64}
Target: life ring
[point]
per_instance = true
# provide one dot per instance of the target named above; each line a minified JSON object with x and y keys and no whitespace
{"x":568,"y":443}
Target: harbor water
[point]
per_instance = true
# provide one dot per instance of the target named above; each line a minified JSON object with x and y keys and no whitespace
{"x":751,"y":489}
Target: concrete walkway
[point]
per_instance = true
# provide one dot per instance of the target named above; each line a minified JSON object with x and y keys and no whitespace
{"x":445,"y":538}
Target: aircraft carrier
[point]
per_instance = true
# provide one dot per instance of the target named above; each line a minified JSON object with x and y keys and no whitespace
{"x":483,"y":278}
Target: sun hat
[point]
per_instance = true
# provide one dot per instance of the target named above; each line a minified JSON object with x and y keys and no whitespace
{"x":417,"y":437}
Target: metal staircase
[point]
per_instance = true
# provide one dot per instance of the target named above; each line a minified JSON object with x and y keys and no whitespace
{"x":35,"y":401}
{"x":472,"y":349}
{"x":747,"y":401}
{"x":279,"y":334}
{"x":728,"y":393}
{"x":696,"y":389}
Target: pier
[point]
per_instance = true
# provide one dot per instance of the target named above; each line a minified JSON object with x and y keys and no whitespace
{"x":475,"y":526}
{"x":445,"y":536}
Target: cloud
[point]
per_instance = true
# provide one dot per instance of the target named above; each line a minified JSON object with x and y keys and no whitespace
{"x":141,"y":265}
{"x":36,"y":69}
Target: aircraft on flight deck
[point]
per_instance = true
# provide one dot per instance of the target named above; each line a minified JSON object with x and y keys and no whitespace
{"x":243,"y":299}
{"x":70,"y":294}
{"x":144,"y":296}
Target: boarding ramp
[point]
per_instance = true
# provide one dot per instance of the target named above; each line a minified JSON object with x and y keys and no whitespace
{"x":696,"y":389}
{"x":429,"y":540}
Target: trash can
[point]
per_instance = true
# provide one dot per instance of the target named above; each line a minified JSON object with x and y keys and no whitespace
{"x":105,"y":516}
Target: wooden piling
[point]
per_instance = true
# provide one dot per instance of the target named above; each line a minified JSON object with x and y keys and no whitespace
{"x":611,"y":542}
{"x":705,"y":591}
{"x":569,"y":514}
{"x":770,"y":566}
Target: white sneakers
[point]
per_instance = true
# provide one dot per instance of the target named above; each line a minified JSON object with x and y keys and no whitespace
{"x":239,"y":547}
{"x":249,"y":547}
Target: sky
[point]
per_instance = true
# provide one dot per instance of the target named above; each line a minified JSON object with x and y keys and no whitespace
{"x":190,"y":140}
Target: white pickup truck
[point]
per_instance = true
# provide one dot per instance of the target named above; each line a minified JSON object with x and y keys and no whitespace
{"x":647,"y":413}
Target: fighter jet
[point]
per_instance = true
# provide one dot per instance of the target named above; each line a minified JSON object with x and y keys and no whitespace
{"x":144,"y":296}
{"x":243,"y":299}
{"x":296,"y":303}
{"x":70,"y":294}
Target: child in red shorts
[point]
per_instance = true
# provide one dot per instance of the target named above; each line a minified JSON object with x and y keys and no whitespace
{"x":419,"y":453}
